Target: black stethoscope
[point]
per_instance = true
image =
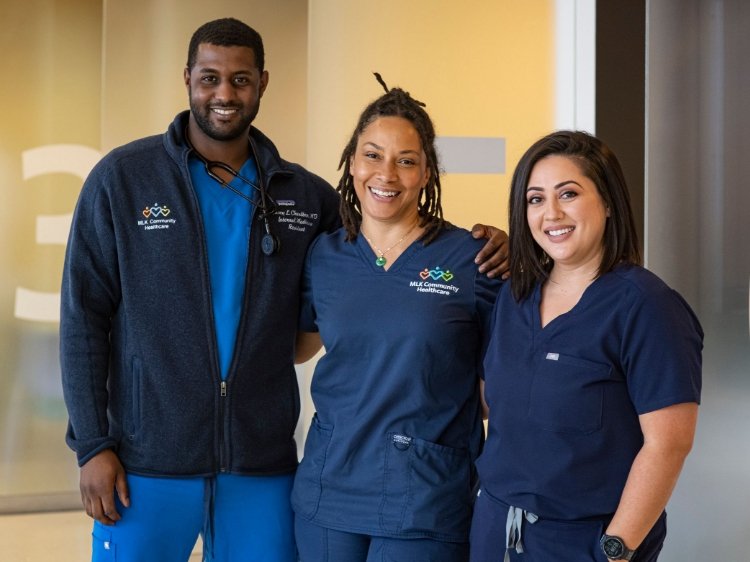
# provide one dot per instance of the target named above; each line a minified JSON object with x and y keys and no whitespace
{"x":269,"y":244}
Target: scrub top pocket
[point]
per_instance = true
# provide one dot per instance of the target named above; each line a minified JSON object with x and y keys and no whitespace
{"x":426,"y":488}
{"x":567,"y":394}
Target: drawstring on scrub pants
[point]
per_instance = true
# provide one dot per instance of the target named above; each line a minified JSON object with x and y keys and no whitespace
{"x":513,"y":529}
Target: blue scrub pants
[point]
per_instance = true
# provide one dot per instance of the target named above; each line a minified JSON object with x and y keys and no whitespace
{"x":319,"y":544}
{"x":546,"y":540}
{"x":252,"y":520}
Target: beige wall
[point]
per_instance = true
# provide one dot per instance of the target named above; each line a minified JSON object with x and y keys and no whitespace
{"x":93,"y":74}
{"x":145,"y":51}
{"x":484,"y":69}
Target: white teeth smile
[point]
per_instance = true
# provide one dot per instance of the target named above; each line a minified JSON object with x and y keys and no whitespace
{"x":223,"y":111}
{"x":381,"y":193}
{"x":560,"y":232}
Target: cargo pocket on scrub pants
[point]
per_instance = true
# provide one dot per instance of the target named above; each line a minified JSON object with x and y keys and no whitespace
{"x":308,"y":480}
{"x":102,"y":548}
{"x":426,"y":487}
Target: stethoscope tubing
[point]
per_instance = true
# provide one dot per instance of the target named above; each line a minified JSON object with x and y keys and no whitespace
{"x":270,"y":244}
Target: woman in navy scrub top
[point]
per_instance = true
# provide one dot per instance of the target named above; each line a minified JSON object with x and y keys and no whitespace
{"x":592,"y":374}
{"x":388,"y":469}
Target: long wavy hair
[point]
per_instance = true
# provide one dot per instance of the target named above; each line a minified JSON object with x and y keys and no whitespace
{"x":529,"y":264}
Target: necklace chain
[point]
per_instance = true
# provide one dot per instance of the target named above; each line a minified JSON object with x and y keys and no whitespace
{"x":381,"y":260}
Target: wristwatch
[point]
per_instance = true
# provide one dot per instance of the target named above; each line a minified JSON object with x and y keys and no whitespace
{"x":615,"y":549}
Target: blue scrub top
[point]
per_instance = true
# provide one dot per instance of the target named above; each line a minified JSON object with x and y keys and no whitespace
{"x":226,"y":224}
{"x":565,"y":399}
{"x":398,"y":425}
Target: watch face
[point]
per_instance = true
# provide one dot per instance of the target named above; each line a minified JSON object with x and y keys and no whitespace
{"x":613,"y":548}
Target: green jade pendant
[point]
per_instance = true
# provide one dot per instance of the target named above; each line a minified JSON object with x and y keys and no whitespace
{"x":380,"y":261}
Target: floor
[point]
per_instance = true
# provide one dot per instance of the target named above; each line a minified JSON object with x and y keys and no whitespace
{"x":44,"y":537}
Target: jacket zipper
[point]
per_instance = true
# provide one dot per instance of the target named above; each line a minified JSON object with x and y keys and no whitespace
{"x":223,"y":385}
{"x":222,"y":395}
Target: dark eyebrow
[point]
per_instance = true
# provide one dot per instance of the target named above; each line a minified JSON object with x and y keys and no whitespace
{"x":558,"y":186}
{"x":378,"y":147}
{"x":566,"y":182}
{"x":209,"y":70}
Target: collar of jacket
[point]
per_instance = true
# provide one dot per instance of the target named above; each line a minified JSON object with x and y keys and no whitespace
{"x":270,"y":161}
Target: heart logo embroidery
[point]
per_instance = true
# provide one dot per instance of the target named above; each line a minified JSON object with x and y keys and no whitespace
{"x":436,"y":274}
{"x":155,"y":211}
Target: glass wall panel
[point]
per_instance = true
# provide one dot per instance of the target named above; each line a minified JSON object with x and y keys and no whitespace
{"x":50,"y":125}
{"x":697,"y":209}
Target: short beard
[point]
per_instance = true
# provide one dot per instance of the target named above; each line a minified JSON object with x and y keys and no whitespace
{"x":203,"y":120}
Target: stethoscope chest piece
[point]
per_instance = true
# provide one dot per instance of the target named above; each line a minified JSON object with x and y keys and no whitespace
{"x":269,"y":244}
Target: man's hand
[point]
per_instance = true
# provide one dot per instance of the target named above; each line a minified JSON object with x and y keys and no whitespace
{"x":493,"y":257}
{"x":101,"y":476}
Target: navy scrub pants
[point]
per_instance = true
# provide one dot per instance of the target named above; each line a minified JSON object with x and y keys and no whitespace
{"x":319,"y":544}
{"x":547,"y":540}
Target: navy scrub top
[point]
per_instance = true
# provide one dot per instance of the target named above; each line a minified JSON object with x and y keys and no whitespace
{"x":565,"y":399}
{"x":398,"y":425}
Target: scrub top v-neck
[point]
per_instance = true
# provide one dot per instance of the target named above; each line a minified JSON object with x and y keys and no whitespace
{"x":369,"y":256}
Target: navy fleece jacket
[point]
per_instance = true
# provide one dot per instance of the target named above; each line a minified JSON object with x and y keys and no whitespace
{"x":138,"y":353}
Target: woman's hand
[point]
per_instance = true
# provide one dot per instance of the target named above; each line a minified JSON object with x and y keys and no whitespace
{"x":667,"y":439}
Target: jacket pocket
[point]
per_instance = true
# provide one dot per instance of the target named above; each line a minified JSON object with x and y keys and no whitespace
{"x":567,"y":394}
{"x":426,"y":488}
{"x":135,"y":399}
{"x":308,"y":480}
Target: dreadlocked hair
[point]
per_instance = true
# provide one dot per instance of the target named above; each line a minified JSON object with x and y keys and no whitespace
{"x":394,"y":103}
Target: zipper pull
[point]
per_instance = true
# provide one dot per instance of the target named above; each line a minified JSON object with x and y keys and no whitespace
{"x":223,"y":388}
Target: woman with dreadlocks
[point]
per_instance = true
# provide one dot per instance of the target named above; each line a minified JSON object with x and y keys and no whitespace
{"x":402,"y":311}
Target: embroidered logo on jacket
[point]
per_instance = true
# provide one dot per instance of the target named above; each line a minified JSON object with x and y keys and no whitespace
{"x":155,"y":217}
{"x":436,"y":280}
